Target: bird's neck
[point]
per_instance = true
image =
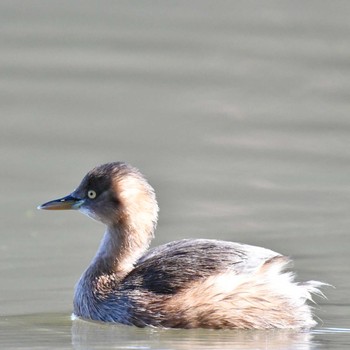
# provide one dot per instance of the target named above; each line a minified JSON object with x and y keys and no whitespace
{"x":119,"y":250}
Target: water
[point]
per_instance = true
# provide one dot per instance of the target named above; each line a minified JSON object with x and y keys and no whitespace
{"x":237,"y":112}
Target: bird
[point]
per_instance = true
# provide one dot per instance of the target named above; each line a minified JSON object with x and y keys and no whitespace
{"x":189,"y":283}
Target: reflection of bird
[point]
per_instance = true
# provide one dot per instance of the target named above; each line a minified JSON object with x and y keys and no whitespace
{"x":186,"y":284}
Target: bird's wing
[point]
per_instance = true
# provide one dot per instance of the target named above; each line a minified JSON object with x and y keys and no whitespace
{"x":168,"y":268}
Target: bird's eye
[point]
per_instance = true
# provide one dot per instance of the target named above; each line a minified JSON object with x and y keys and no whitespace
{"x":91,"y":194}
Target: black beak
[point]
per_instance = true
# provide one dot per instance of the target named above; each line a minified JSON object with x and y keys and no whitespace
{"x":64,"y":203}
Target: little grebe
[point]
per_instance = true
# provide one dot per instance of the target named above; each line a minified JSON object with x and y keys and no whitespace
{"x":184,"y":284}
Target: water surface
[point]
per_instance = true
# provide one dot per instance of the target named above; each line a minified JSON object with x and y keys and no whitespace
{"x":237,"y":112}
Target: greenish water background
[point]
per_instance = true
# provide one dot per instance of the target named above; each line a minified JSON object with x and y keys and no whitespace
{"x":236,"y":111}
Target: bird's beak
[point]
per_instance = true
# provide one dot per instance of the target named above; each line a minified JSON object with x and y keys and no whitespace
{"x":64,"y":203}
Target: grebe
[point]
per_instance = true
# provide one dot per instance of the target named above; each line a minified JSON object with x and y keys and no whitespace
{"x":191,"y":283}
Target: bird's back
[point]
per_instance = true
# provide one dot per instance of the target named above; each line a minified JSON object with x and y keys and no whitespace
{"x":176,"y":265}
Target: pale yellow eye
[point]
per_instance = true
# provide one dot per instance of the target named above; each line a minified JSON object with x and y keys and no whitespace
{"x":91,"y":194}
